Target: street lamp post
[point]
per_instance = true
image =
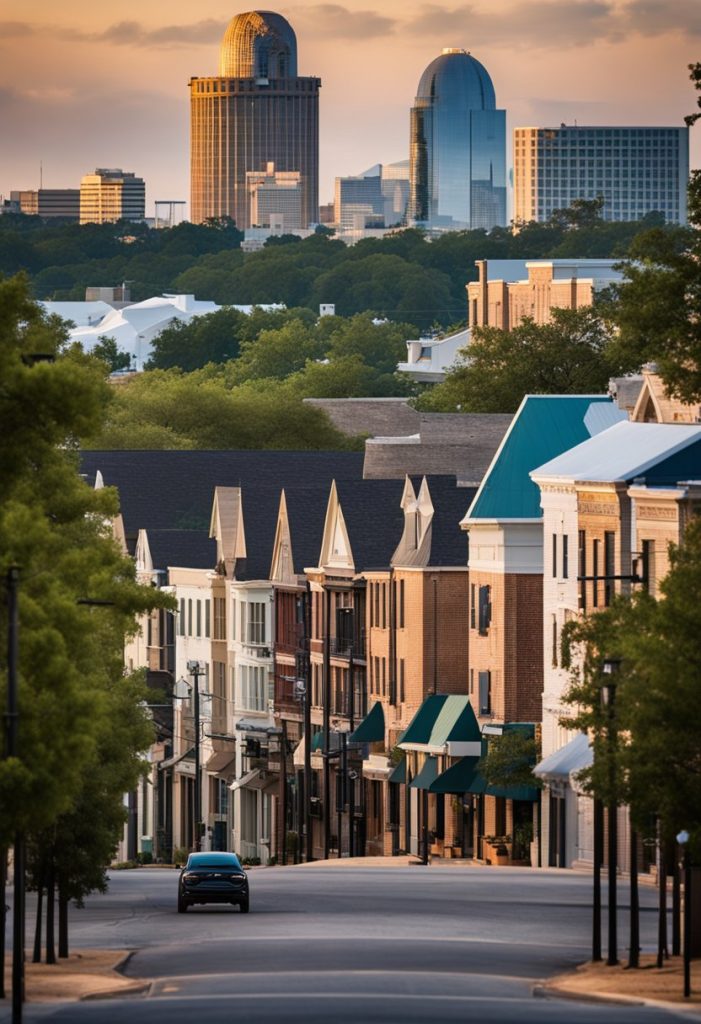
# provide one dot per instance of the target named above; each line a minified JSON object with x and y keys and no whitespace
{"x":683,"y":840}
{"x":196,"y":669}
{"x":608,"y":693}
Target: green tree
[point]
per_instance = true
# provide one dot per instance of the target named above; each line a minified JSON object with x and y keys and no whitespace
{"x":106,"y":350}
{"x":659,"y":303}
{"x":569,"y":355}
{"x":55,"y":528}
{"x":278,"y":353}
{"x":510,"y":760}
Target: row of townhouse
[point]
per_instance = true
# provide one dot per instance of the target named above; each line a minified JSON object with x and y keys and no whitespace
{"x":356,"y":643}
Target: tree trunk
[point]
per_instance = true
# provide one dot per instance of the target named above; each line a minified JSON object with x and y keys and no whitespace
{"x":62,"y":921}
{"x":50,"y":901}
{"x":3,"y":916}
{"x":36,"y":958}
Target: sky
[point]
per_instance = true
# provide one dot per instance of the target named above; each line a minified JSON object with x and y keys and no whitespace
{"x":85,"y":85}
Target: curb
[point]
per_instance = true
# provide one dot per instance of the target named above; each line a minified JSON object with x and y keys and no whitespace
{"x":547,"y":991}
{"x":115,"y":993}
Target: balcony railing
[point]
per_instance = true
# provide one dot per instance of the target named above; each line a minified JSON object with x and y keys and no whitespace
{"x":344,"y":647}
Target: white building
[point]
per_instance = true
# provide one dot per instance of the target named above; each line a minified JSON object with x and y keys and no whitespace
{"x":428,"y":359}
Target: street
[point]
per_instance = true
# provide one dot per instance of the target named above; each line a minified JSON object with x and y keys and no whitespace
{"x":348,"y":943}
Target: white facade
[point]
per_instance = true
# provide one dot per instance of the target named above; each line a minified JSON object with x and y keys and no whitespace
{"x":428,"y":359}
{"x":251,"y":669}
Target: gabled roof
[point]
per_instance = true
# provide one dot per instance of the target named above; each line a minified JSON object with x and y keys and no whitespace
{"x":372,"y":518}
{"x":173,"y":491}
{"x":542,"y":428}
{"x":663,"y":453}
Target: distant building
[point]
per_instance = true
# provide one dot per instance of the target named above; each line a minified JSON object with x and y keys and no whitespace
{"x":48,"y":202}
{"x":395,"y":189}
{"x":458,"y":147}
{"x":507,"y":291}
{"x":111,"y":194}
{"x":275,"y":198}
{"x":635,"y":169}
{"x":327,"y":213}
{"x":428,"y":359}
{"x":359,"y":201}
{"x":256,"y":110}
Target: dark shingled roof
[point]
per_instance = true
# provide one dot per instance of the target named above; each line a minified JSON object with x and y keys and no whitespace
{"x":373,"y":518}
{"x":306,"y":514}
{"x":170,"y":494}
{"x":450,"y":503}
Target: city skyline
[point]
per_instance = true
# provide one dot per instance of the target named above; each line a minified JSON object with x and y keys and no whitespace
{"x":127,"y":80}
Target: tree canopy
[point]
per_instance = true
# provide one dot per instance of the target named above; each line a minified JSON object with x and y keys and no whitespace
{"x":658,"y":309}
{"x":657,"y":708}
{"x":570,"y":355}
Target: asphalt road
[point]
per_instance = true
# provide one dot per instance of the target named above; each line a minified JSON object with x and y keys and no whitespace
{"x":348,"y":944}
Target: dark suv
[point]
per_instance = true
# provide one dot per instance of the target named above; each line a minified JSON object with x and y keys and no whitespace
{"x":213,"y":878}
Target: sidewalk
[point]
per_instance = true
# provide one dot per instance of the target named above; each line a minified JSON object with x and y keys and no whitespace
{"x":663,"y":987}
{"x":86,"y":974}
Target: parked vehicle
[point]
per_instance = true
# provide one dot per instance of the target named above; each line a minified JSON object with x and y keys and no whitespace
{"x":213,"y":878}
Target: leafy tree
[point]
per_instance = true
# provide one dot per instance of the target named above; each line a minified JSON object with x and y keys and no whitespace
{"x":106,"y":350}
{"x":657,"y":708}
{"x":278,"y":353}
{"x":659,"y":303}
{"x":510,"y":760}
{"x":569,"y":355}
{"x":56,"y":530}
{"x":380,"y":345}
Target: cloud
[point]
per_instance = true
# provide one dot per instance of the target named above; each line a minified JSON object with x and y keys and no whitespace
{"x":338,"y":22}
{"x":554,"y":24}
{"x":15,"y":29}
{"x":133,"y":33}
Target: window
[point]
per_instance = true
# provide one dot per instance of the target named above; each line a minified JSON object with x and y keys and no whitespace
{"x":401,"y":604}
{"x":377,"y":603}
{"x":181,"y":619}
{"x":554,"y":640}
{"x":472,"y":680}
{"x":384,"y":606}
{"x":377,"y":675}
{"x":554,"y":556}
{"x":199,"y":618}
{"x":255,"y":633}
{"x":609,"y":565}
{"x":384,"y":677}
{"x":645,"y":570}
{"x":565,"y":556}
{"x":485,"y":610}
{"x":219,"y":618}
{"x":218,"y":696}
{"x":582,"y":569}
{"x":595,"y":573}
{"x":473,"y":607}
{"x":402,"y":692}
{"x":189,"y":617}
{"x":485,"y":694}
{"x":253,"y":687}
{"x":206,"y":618}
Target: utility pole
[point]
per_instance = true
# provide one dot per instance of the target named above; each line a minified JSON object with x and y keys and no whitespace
{"x":194,"y":668}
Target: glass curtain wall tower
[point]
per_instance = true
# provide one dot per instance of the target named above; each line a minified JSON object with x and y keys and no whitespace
{"x":458,"y":147}
{"x":255,"y":112}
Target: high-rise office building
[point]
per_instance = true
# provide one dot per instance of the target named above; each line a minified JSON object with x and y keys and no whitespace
{"x":634,"y":170}
{"x":275,"y":197}
{"x":48,"y":202}
{"x":111,"y":194}
{"x":458,"y":147}
{"x":359,"y":201}
{"x":256,"y":111}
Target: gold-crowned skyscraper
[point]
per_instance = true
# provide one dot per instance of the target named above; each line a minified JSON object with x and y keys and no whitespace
{"x":256,"y":111}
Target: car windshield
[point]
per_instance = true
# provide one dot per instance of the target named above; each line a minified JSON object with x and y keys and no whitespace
{"x":213,"y":860}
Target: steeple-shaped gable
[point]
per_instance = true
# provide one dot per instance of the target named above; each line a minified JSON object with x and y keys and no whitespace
{"x":336,"y":550}
{"x":656,"y":405}
{"x":415,"y":546}
{"x":142,"y":557}
{"x":282,"y":569}
{"x":226,"y":526}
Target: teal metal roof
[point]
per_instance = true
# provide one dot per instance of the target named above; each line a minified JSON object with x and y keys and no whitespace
{"x":427,"y":775}
{"x":458,"y":778}
{"x":442,"y":718}
{"x":398,"y":773}
{"x":543,"y":428}
{"x":372,"y":727}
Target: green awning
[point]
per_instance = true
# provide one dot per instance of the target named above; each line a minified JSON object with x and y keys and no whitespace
{"x":427,"y":775}
{"x":398,"y":773}
{"x":458,"y":778}
{"x":372,"y":727}
{"x":444,"y":724}
{"x":527,"y":793}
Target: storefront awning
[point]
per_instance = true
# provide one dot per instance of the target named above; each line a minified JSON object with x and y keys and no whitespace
{"x":444,"y":724}
{"x":220,"y":761}
{"x":259,"y":778}
{"x":427,"y":775}
{"x":398,"y":774}
{"x":372,"y":727}
{"x":569,"y":760}
{"x":458,"y":778}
